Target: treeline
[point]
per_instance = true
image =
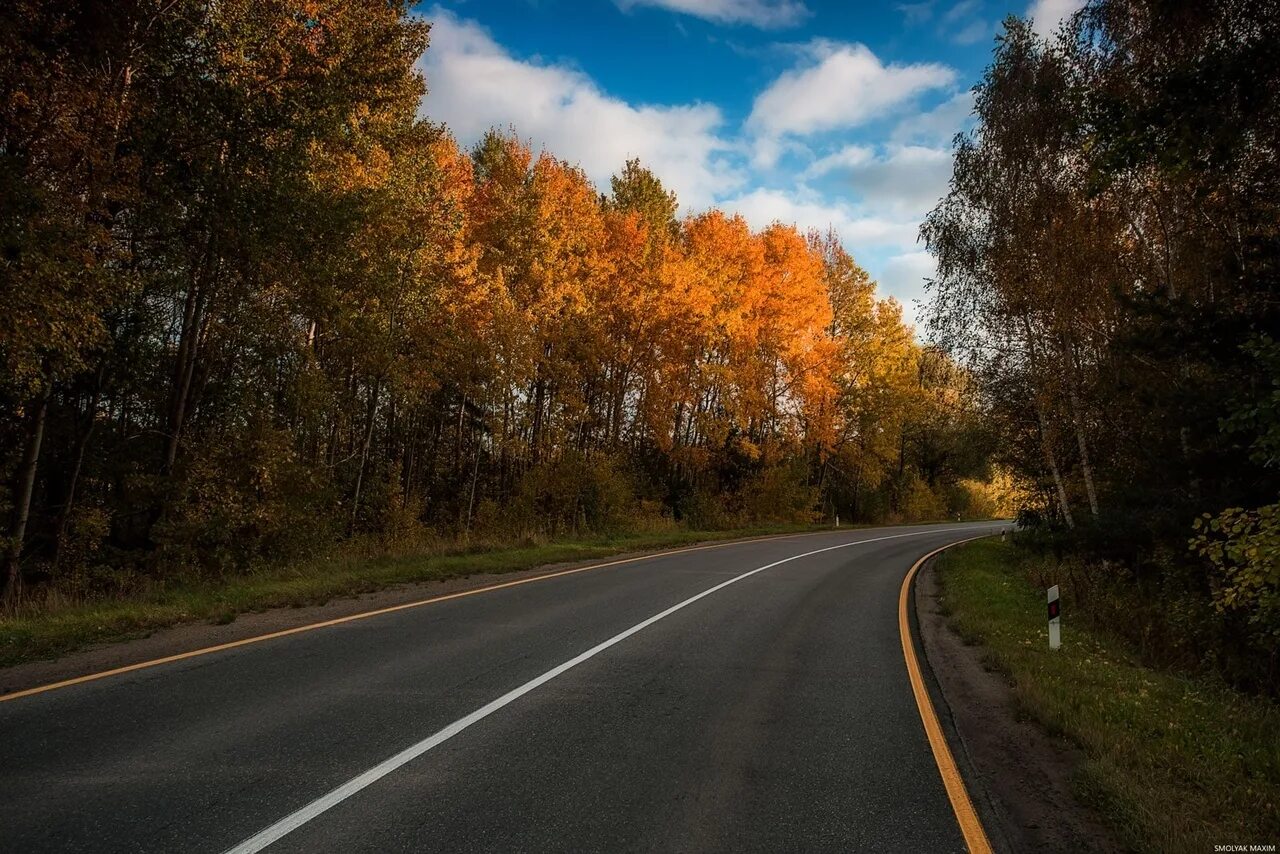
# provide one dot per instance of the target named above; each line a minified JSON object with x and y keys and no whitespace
{"x":251,"y":303}
{"x":1108,"y":270}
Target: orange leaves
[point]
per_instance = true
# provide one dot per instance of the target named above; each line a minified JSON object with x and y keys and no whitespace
{"x":608,"y":318}
{"x":568,"y":229}
{"x":728,"y":265}
{"x":747,"y":351}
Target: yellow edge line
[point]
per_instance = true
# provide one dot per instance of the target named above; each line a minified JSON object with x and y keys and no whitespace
{"x":974,"y":836}
{"x":169,"y":659}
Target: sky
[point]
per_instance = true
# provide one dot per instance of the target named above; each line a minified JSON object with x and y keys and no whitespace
{"x":817,"y":113}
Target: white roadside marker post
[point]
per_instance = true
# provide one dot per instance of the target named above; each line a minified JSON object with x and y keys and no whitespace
{"x":1055,"y":618}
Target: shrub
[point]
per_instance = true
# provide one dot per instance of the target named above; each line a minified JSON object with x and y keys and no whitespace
{"x":1243,"y":547}
{"x":704,"y":510}
{"x":780,"y":493}
{"x":241,"y":499}
{"x":919,"y":503}
{"x":573,"y":493}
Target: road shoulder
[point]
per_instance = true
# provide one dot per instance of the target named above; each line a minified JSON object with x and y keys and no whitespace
{"x":1019,"y":778}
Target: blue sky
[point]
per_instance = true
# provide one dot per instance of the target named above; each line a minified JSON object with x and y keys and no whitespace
{"x":813,"y":112}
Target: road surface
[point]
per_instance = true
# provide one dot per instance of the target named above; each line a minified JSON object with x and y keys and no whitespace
{"x":747,"y":697}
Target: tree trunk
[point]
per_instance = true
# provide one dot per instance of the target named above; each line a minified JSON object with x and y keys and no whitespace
{"x":22,"y":507}
{"x":73,"y":482}
{"x":1052,"y":460}
{"x":1050,"y":457}
{"x":471,"y":502}
{"x":539,"y":401}
{"x":1085,"y":467}
{"x":364,"y":454}
{"x":188,"y":347}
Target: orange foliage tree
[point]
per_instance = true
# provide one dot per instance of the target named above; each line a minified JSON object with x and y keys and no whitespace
{"x":261,"y":304}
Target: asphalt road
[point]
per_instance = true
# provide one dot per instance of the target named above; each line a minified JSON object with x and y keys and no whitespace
{"x":773,"y":713}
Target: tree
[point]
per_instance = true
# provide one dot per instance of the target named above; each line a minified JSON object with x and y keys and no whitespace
{"x":1107,"y":271}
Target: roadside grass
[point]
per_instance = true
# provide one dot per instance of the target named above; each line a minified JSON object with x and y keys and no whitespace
{"x":1174,"y":763}
{"x":51,"y":630}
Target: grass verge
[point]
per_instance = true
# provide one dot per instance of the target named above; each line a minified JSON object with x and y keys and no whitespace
{"x":1174,"y":763}
{"x":55,"y":631}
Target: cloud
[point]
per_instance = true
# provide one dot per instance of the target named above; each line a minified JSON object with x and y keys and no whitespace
{"x":963,"y":9}
{"x":904,"y":276}
{"x":849,"y":157}
{"x":766,"y":14}
{"x":972,"y":33}
{"x":962,"y":24}
{"x":872,"y":193}
{"x":904,"y":181}
{"x":1045,"y":15}
{"x":474,"y":84}
{"x":916,"y":13}
{"x":937,"y":126}
{"x":805,"y":209}
{"x":839,"y":86}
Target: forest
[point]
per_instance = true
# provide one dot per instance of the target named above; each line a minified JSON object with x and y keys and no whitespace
{"x":254,"y":305}
{"x":1107,"y":275}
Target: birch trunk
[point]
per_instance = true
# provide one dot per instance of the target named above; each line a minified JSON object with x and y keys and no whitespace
{"x":1052,"y":460}
{"x":1085,"y":466}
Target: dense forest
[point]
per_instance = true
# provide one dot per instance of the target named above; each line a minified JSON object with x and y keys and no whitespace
{"x":1108,"y":258}
{"x":253,"y":304}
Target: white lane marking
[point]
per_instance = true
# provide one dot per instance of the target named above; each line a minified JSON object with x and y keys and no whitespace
{"x":293,"y":821}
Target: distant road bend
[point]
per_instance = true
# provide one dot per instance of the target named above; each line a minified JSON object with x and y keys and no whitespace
{"x":751,"y":696}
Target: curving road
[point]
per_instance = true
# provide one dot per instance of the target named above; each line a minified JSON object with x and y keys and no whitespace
{"x":747,"y":697}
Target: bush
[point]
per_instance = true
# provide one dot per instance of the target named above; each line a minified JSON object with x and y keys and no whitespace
{"x":972,"y":499}
{"x":919,"y":503}
{"x":240,"y":500}
{"x":780,"y":493}
{"x":704,"y":510}
{"x":572,"y":494}
{"x":82,"y":546}
{"x":1243,"y":546}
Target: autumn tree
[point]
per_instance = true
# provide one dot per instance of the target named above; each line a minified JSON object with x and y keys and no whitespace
{"x":254,"y":305}
{"x":1106,"y":266}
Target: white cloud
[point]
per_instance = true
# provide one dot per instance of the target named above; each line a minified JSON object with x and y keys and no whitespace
{"x":766,"y":153}
{"x":905,"y":180}
{"x":849,"y":157}
{"x":904,"y":276}
{"x":939,"y":125}
{"x":916,"y":13}
{"x":872,"y":193}
{"x":474,"y":84}
{"x":962,"y":24}
{"x":804,"y":209}
{"x":1045,"y":15}
{"x":972,"y":33}
{"x":839,"y":86}
{"x":766,"y":14}
{"x":963,"y":9}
